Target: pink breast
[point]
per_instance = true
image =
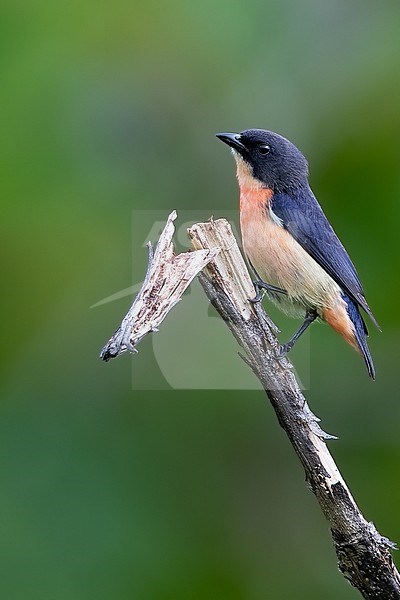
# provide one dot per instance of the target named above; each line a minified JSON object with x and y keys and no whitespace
{"x":254,"y":224}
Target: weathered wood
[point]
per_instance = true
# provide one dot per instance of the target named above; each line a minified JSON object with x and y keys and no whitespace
{"x":168,"y":276}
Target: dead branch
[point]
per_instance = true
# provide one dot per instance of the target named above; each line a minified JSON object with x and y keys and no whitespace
{"x":363,"y":553}
{"x":168,"y":275}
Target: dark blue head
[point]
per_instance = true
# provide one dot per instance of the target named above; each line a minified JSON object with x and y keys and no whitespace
{"x":272,"y":160}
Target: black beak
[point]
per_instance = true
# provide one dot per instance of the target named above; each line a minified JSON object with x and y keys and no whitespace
{"x":233,"y":140}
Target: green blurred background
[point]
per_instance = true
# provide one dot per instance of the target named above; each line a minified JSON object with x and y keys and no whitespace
{"x":113,"y":491}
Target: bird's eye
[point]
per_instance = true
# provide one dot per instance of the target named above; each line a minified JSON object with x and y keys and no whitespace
{"x":264,"y":149}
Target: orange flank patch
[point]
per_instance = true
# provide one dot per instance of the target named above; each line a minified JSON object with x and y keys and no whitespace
{"x":339,"y":320}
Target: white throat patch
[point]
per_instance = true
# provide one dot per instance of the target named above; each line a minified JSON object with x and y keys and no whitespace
{"x":244,"y":174}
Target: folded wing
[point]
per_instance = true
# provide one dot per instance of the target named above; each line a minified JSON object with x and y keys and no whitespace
{"x":304,"y":219}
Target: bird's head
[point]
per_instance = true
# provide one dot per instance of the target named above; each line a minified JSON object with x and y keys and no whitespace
{"x":266,"y":159}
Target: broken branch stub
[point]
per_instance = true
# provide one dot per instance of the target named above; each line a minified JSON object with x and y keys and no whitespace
{"x":168,"y":276}
{"x":233,"y":272}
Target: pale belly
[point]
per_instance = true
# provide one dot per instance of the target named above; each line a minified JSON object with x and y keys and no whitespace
{"x":278,"y":259}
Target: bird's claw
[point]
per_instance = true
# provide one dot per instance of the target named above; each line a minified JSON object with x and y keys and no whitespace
{"x":257,"y":298}
{"x":259,"y":285}
{"x":284,"y":350}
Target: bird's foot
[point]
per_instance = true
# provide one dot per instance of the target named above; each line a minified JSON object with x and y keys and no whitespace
{"x":262,"y":285}
{"x":284,"y":349}
{"x":310,"y":317}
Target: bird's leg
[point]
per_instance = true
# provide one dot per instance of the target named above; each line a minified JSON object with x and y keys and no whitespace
{"x":310,"y":317}
{"x":259,"y":284}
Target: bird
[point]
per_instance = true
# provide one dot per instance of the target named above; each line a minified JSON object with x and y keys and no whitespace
{"x":289,"y":243}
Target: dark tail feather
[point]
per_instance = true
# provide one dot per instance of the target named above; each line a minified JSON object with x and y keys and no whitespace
{"x":361,"y":333}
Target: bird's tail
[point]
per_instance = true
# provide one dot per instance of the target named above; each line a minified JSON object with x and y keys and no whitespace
{"x":361,"y":334}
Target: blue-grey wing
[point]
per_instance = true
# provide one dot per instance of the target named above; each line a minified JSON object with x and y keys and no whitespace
{"x":304,"y":219}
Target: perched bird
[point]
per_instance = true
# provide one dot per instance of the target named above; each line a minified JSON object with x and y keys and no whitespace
{"x":290,"y":244}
